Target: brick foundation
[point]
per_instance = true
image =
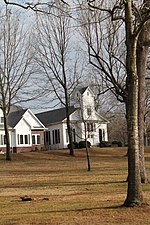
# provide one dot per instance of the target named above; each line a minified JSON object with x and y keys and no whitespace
{"x":23,"y":149}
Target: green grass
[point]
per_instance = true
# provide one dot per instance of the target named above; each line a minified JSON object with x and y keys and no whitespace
{"x":64,"y":192}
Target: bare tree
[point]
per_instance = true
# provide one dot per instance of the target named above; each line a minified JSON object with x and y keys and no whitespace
{"x":118,"y":82}
{"x":15,"y":65}
{"x":55,"y":52}
{"x":84,"y":130}
{"x":125,"y":16}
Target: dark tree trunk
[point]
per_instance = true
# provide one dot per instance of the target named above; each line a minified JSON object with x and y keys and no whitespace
{"x":87,"y":155}
{"x":71,"y":147}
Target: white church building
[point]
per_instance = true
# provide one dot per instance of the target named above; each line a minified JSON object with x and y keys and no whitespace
{"x":85,"y":122}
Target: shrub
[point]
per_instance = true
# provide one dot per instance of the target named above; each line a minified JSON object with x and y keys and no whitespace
{"x":76,"y":144}
{"x":69,"y":145}
{"x":105,"y":144}
{"x":82,"y":144}
{"x":118,"y":143}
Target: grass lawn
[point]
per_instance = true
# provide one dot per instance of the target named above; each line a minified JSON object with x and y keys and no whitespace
{"x":64,"y":192}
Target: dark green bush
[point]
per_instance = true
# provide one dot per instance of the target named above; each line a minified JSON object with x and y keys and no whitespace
{"x":69,"y":146}
{"x":82,"y":144}
{"x":75,"y":145}
{"x":115,"y":142}
{"x":118,"y":143}
{"x":105,"y":144}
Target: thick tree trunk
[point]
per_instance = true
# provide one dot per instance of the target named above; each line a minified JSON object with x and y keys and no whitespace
{"x":142,"y":53}
{"x":134,"y":192}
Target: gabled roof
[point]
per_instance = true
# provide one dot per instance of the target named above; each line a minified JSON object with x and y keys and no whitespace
{"x":15,"y":117}
{"x":102,"y":118}
{"x":14,"y":108}
{"x":54,"y":116}
{"x":82,"y":90}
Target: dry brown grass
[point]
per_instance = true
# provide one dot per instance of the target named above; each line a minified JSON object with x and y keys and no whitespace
{"x":64,"y":192}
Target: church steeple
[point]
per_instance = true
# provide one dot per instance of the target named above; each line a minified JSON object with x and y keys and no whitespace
{"x":84,"y":98}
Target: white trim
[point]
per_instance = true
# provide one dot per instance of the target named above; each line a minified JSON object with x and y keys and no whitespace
{"x":36,"y":119}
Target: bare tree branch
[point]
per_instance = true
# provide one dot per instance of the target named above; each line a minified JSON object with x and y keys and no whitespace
{"x":37,"y":7}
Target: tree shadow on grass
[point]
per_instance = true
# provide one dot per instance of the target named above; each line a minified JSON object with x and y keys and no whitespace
{"x":65,"y":210}
{"x":84,"y":209}
{"x":71,"y":210}
{"x":65,"y":184}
